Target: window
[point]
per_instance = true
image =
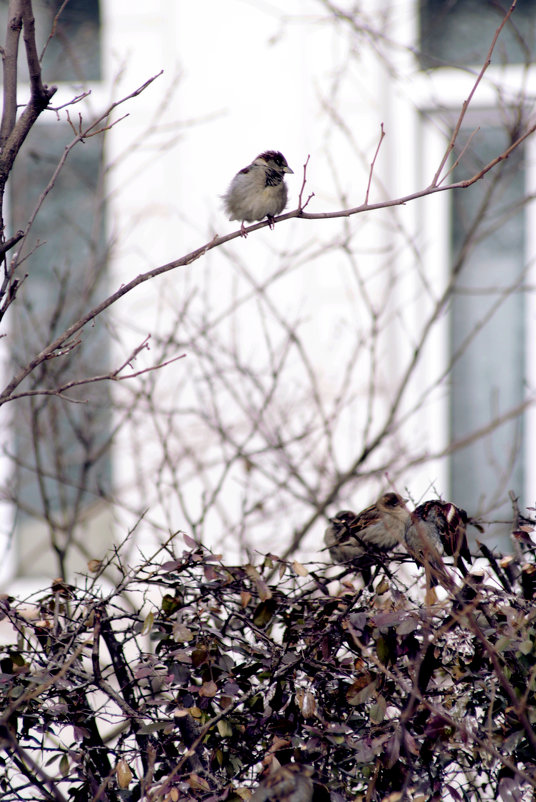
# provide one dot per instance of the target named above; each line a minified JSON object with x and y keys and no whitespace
{"x":491,"y":306}
{"x":60,"y":447}
{"x":58,"y":442}
{"x":487,"y":324}
{"x":459,"y":32}
{"x":73,"y":53}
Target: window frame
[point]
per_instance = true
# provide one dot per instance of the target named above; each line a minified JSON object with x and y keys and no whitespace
{"x":95,"y":99}
{"x":432,"y":94}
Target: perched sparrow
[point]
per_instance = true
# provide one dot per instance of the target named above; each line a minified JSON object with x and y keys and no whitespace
{"x":290,"y":783}
{"x":362,"y":537}
{"x":258,"y":190}
{"x":436,"y":528}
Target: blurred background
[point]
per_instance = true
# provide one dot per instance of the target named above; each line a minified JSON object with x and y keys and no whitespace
{"x":323,"y":362}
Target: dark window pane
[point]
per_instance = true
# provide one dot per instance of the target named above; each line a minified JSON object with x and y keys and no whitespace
{"x":488,"y":326}
{"x":459,"y":32}
{"x":73,"y":52}
{"x":58,"y":443}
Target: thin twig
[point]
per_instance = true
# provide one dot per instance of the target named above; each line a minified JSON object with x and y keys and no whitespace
{"x":371,"y":171}
{"x":468,"y":100}
{"x":300,"y":204}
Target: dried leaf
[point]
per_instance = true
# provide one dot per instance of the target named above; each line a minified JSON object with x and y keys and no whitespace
{"x":124,"y":773}
{"x":199,"y":656}
{"x":170,"y":604}
{"x":299,"y":569}
{"x":243,"y":793}
{"x":182,"y":634}
{"x":407,"y":626}
{"x":198,"y":783}
{"x":170,"y":566}
{"x":148,"y":624}
{"x":410,"y":744}
{"x":383,"y":586}
{"x":262,"y":588}
{"x":190,"y":542}
{"x":264,"y":613}
{"x":44,"y":623}
{"x":361,"y":690}
{"x":224,"y":728}
{"x":245,"y":598}
{"x":208,"y":689}
{"x":306,"y":702}
{"x":210,"y":573}
{"x":377,"y":711}
{"x":392,"y":748}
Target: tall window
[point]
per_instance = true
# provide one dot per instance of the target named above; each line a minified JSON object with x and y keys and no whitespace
{"x":487,"y":325}
{"x":59,"y":445}
{"x":488,"y":251}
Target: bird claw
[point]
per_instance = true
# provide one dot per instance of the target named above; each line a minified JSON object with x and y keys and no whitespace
{"x":271,"y":222}
{"x":243,"y":232}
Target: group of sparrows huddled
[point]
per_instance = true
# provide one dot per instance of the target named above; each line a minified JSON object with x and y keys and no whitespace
{"x":433,"y":530}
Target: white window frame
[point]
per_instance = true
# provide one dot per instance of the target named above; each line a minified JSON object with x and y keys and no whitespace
{"x":97,"y":100}
{"x":429,"y":95}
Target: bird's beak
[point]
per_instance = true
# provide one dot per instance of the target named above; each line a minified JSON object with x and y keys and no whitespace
{"x":287,"y":170}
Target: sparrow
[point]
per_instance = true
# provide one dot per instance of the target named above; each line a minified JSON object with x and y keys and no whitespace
{"x":437,"y":528}
{"x":258,"y":190}
{"x":363,"y":537}
{"x":289,"y":783}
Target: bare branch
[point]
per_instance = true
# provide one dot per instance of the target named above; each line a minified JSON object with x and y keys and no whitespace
{"x":371,"y":172}
{"x":468,"y":100}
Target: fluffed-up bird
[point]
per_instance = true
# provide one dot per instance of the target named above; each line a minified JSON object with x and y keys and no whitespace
{"x":290,"y":783}
{"x":258,"y":190}
{"x":436,"y":529}
{"x":363,"y":538}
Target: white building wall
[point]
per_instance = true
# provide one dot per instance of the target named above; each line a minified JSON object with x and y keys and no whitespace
{"x":239,"y":78}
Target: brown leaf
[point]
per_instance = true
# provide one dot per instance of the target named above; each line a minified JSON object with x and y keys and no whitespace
{"x":262,"y":588}
{"x":199,"y":656}
{"x":299,"y":569}
{"x":377,"y":711}
{"x":124,"y":773}
{"x":210,"y":573}
{"x":148,"y":623}
{"x":190,"y":542}
{"x":264,"y":613}
{"x":306,"y":702}
{"x":392,"y":748}
{"x":198,"y":783}
{"x":410,"y":743}
{"x":361,"y":690}
{"x":208,"y":689}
